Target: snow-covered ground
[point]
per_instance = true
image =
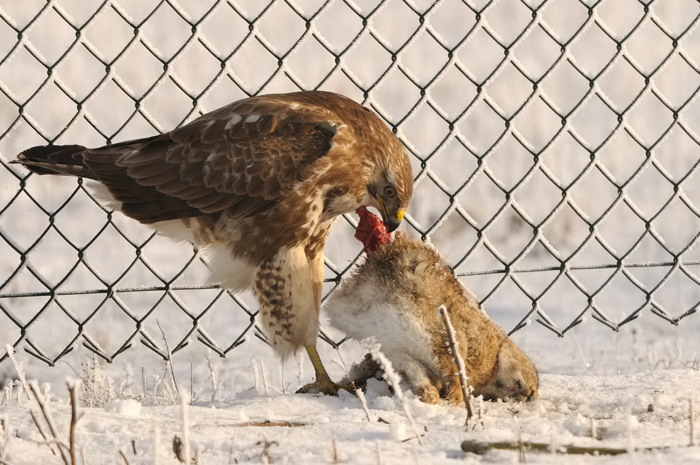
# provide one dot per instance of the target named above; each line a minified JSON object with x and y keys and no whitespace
{"x":627,"y":390}
{"x":628,"y":412}
{"x":607,"y":390}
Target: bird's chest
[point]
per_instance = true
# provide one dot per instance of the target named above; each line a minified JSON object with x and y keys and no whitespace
{"x":298,"y":223}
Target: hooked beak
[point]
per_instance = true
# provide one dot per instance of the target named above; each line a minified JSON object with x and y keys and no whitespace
{"x":391,"y":219}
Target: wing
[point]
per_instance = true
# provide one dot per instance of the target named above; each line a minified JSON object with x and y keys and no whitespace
{"x":240,"y":158}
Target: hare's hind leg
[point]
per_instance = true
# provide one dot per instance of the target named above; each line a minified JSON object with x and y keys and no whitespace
{"x":417,"y":377}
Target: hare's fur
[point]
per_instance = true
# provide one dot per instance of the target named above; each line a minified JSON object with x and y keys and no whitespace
{"x":394,"y":297}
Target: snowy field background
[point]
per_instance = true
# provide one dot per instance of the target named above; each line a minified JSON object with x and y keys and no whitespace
{"x":628,"y":405}
{"x":630,"y":389}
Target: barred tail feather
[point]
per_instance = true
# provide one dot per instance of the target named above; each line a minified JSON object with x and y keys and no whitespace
{"x":55,"y":159}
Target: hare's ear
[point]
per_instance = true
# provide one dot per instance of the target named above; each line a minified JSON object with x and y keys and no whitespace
{"x":418,"y":265}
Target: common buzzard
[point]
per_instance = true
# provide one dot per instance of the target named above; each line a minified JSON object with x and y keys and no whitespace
{"x":256,"y":185}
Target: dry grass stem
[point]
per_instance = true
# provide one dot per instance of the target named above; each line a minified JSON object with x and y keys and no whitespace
{"x":482,"y":447}
{"x":177,"y":449}
{"x":358,"y":391}
{"x":690,"y":417}
{"x":170,"y":357}
{"x":394,"y":381}
{"x":184,"y":417}
{"x":74,"y":417}
{"x":265,"y":455}
{"x":335,"y":452}
{"x":122,"y":455}
{"x":20,"y":374}
{"x":256,"y":373}
{"x":262,"y":376}
{"x":41,"y":431}
{"x":265,"y":423}
{"x":214,"y":377}
{"x":49,"y":422}
{"x":461,"y":369}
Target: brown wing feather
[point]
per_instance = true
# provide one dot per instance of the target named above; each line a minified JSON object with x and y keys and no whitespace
{"x":240,"y":158}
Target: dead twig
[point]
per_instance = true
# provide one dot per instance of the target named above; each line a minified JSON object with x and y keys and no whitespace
{"x":335,"y":452}
{"x":358,"y":392}
{"x":20,"y":374}
{"x":74,"y":417}
{"x":262,"y":376}
{"x":41,"y":431}
{"x":394,"y":381}
{"x":49,"y":422}
{"x":214,"y":377}
{"x":461,"y":369}
{"x":480,"y":448}
{"x":170,"y":357}
{"x":266,"y":423}
{"x":185,"y":455}
{"x":178,"y":447}
{"x":265,"y":455}
{"x":123,"y":457}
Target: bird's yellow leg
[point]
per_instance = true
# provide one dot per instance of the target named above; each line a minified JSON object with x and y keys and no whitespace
{"x":323,"y":383}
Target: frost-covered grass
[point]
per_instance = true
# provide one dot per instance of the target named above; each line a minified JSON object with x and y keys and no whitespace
{"x":641,"y":410}
{"x":598,"y":389}
{"x":255,"y":417}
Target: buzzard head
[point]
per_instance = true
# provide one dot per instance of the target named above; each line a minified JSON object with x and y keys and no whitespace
{"x":389,"y":205}
{"x":390,"y":193}
{"x":370,"y":165}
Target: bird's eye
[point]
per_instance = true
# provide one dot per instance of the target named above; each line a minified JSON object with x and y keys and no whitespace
{"x":389,"y":191}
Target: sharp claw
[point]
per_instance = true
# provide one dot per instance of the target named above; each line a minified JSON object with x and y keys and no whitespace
{"x":323,"y":383}
{"x":324,"y":386}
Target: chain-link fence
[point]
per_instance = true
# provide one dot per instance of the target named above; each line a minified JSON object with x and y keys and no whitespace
{"x":555,"y":147}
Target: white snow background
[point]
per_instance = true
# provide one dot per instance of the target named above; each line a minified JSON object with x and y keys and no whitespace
{"x":256,"y":418}
{"x":628,"y":390}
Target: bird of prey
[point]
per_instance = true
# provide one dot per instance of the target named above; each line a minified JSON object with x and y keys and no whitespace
{"x":255,"y":185}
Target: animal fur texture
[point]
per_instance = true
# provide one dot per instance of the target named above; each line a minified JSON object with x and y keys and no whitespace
{"x":393,"y":297}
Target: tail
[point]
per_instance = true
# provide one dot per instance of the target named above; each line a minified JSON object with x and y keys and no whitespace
{"x":55,"y":159}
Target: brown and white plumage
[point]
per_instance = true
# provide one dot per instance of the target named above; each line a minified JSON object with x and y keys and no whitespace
{"x":257,"y":185}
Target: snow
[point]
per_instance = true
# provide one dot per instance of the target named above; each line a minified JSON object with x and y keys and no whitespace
{"x":256,"y":417}
{"x":628,"y":389}
{"x":234,"y":431}
{"x":128,"y":408}
{"x":598,"y":388}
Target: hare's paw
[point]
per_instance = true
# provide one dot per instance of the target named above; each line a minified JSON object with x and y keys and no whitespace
{"x":428,"y":394}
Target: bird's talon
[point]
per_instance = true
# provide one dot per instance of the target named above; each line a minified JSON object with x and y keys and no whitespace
{"x":326,"y":387}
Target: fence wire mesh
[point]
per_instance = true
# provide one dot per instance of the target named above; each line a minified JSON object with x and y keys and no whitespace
{"x":555,"y":147}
